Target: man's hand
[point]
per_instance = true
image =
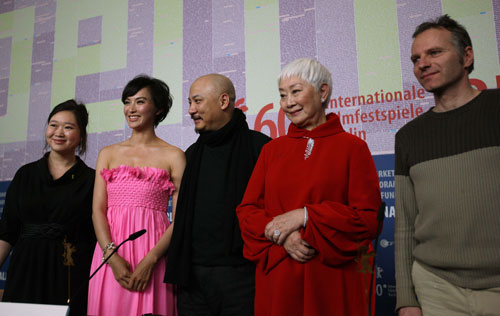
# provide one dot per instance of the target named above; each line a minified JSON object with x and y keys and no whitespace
{"x":410,"y":311}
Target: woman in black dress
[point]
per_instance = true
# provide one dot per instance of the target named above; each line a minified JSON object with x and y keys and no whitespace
{"x":47,"y":218}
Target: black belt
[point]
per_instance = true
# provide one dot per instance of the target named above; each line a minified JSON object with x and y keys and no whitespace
{"x":45,"y":231}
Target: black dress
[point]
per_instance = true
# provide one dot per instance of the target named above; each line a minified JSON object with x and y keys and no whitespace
{"x":39,"y":215}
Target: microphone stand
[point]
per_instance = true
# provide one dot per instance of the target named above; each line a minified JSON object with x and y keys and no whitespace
{"x":115,"y":250}
{"x":131,"y":237}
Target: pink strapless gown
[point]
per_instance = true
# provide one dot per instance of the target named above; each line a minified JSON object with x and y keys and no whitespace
{"x":137,"y":199}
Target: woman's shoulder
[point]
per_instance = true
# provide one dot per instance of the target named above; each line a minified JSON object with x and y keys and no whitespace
{"x":22,"y":172}
{"x":351,"y":138}
{"x":169,"y":151}
{"x":277,"y":145}
{"x":30,"y":167}
{"x":348,"y":142}
{"x":29,"y":171}
{"x":172,"y":157}
{"x":108,"y":150}
{"x":169,"y":148}
{"x":108,"y":155}
{"x":85,"y":168}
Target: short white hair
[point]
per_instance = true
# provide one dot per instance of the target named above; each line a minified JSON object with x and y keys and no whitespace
{"x":311,"y":71}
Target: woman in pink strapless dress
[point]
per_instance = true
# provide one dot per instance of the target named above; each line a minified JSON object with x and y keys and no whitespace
{"x":134,"y":181}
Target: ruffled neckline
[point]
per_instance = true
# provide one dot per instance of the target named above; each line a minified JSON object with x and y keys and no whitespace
{"x":147,"y":174}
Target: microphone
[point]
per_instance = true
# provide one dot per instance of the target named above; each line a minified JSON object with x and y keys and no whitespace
{"x":133,"y":236}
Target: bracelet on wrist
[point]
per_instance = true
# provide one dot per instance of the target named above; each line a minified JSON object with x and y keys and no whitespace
{"x":109,"y":246}
{"x":305,"y":216}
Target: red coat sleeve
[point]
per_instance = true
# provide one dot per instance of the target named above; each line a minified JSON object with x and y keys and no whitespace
{"x":337,"y":230}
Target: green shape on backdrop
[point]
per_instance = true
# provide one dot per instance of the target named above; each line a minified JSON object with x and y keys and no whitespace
{"x":167,"y":54}
{"x":262,"y":62}
{"x":88,"y":60}
{"x":20,"y":68}
{"x":114,"y":34}
{"x":65,"y":52}
{"x":6,"y":23}
{"x":377,"y":42}
{"x":14,"y":125}
{"x":63,"y":80}
{"x":464,"y":8}
{"x":105,"y":116}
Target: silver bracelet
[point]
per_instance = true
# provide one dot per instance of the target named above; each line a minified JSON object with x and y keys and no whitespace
{"x":109,"y":246}
{"x":305,"y":216}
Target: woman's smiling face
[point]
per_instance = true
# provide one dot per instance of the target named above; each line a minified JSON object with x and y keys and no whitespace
{"x":302,"y":103}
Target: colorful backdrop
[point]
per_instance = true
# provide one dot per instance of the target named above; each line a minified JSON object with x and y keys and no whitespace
{"x":53,"y":50}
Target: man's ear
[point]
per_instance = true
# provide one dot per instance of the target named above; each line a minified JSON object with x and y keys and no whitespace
{"x":224,"y":101}
{"x":468,"y":56}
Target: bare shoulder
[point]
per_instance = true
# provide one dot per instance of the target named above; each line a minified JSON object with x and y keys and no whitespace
{"x":171,"y":151}
{"x":177,"y":153}
{"x":173,"y":159}
{"x":104,"y":157}
{"x":114,"y":149}
{"x":108,"y":153}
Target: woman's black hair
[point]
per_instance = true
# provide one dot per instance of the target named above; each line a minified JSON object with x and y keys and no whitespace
{"x":159,"y":90}
{"x":82,"y":119}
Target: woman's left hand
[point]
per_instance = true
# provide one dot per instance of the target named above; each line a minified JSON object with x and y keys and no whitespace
{"x":140,"y":277}
{"x":282,"y":225}
{"x":298,"y":248}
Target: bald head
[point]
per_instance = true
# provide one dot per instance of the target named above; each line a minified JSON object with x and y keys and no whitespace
{"x":220,"y":85}
{"x":211,"y":102}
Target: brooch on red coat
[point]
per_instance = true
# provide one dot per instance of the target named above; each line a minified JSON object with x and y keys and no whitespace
{"x":309,"y":147}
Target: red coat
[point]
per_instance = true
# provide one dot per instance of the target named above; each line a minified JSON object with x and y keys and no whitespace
{"x":338,"y":184}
